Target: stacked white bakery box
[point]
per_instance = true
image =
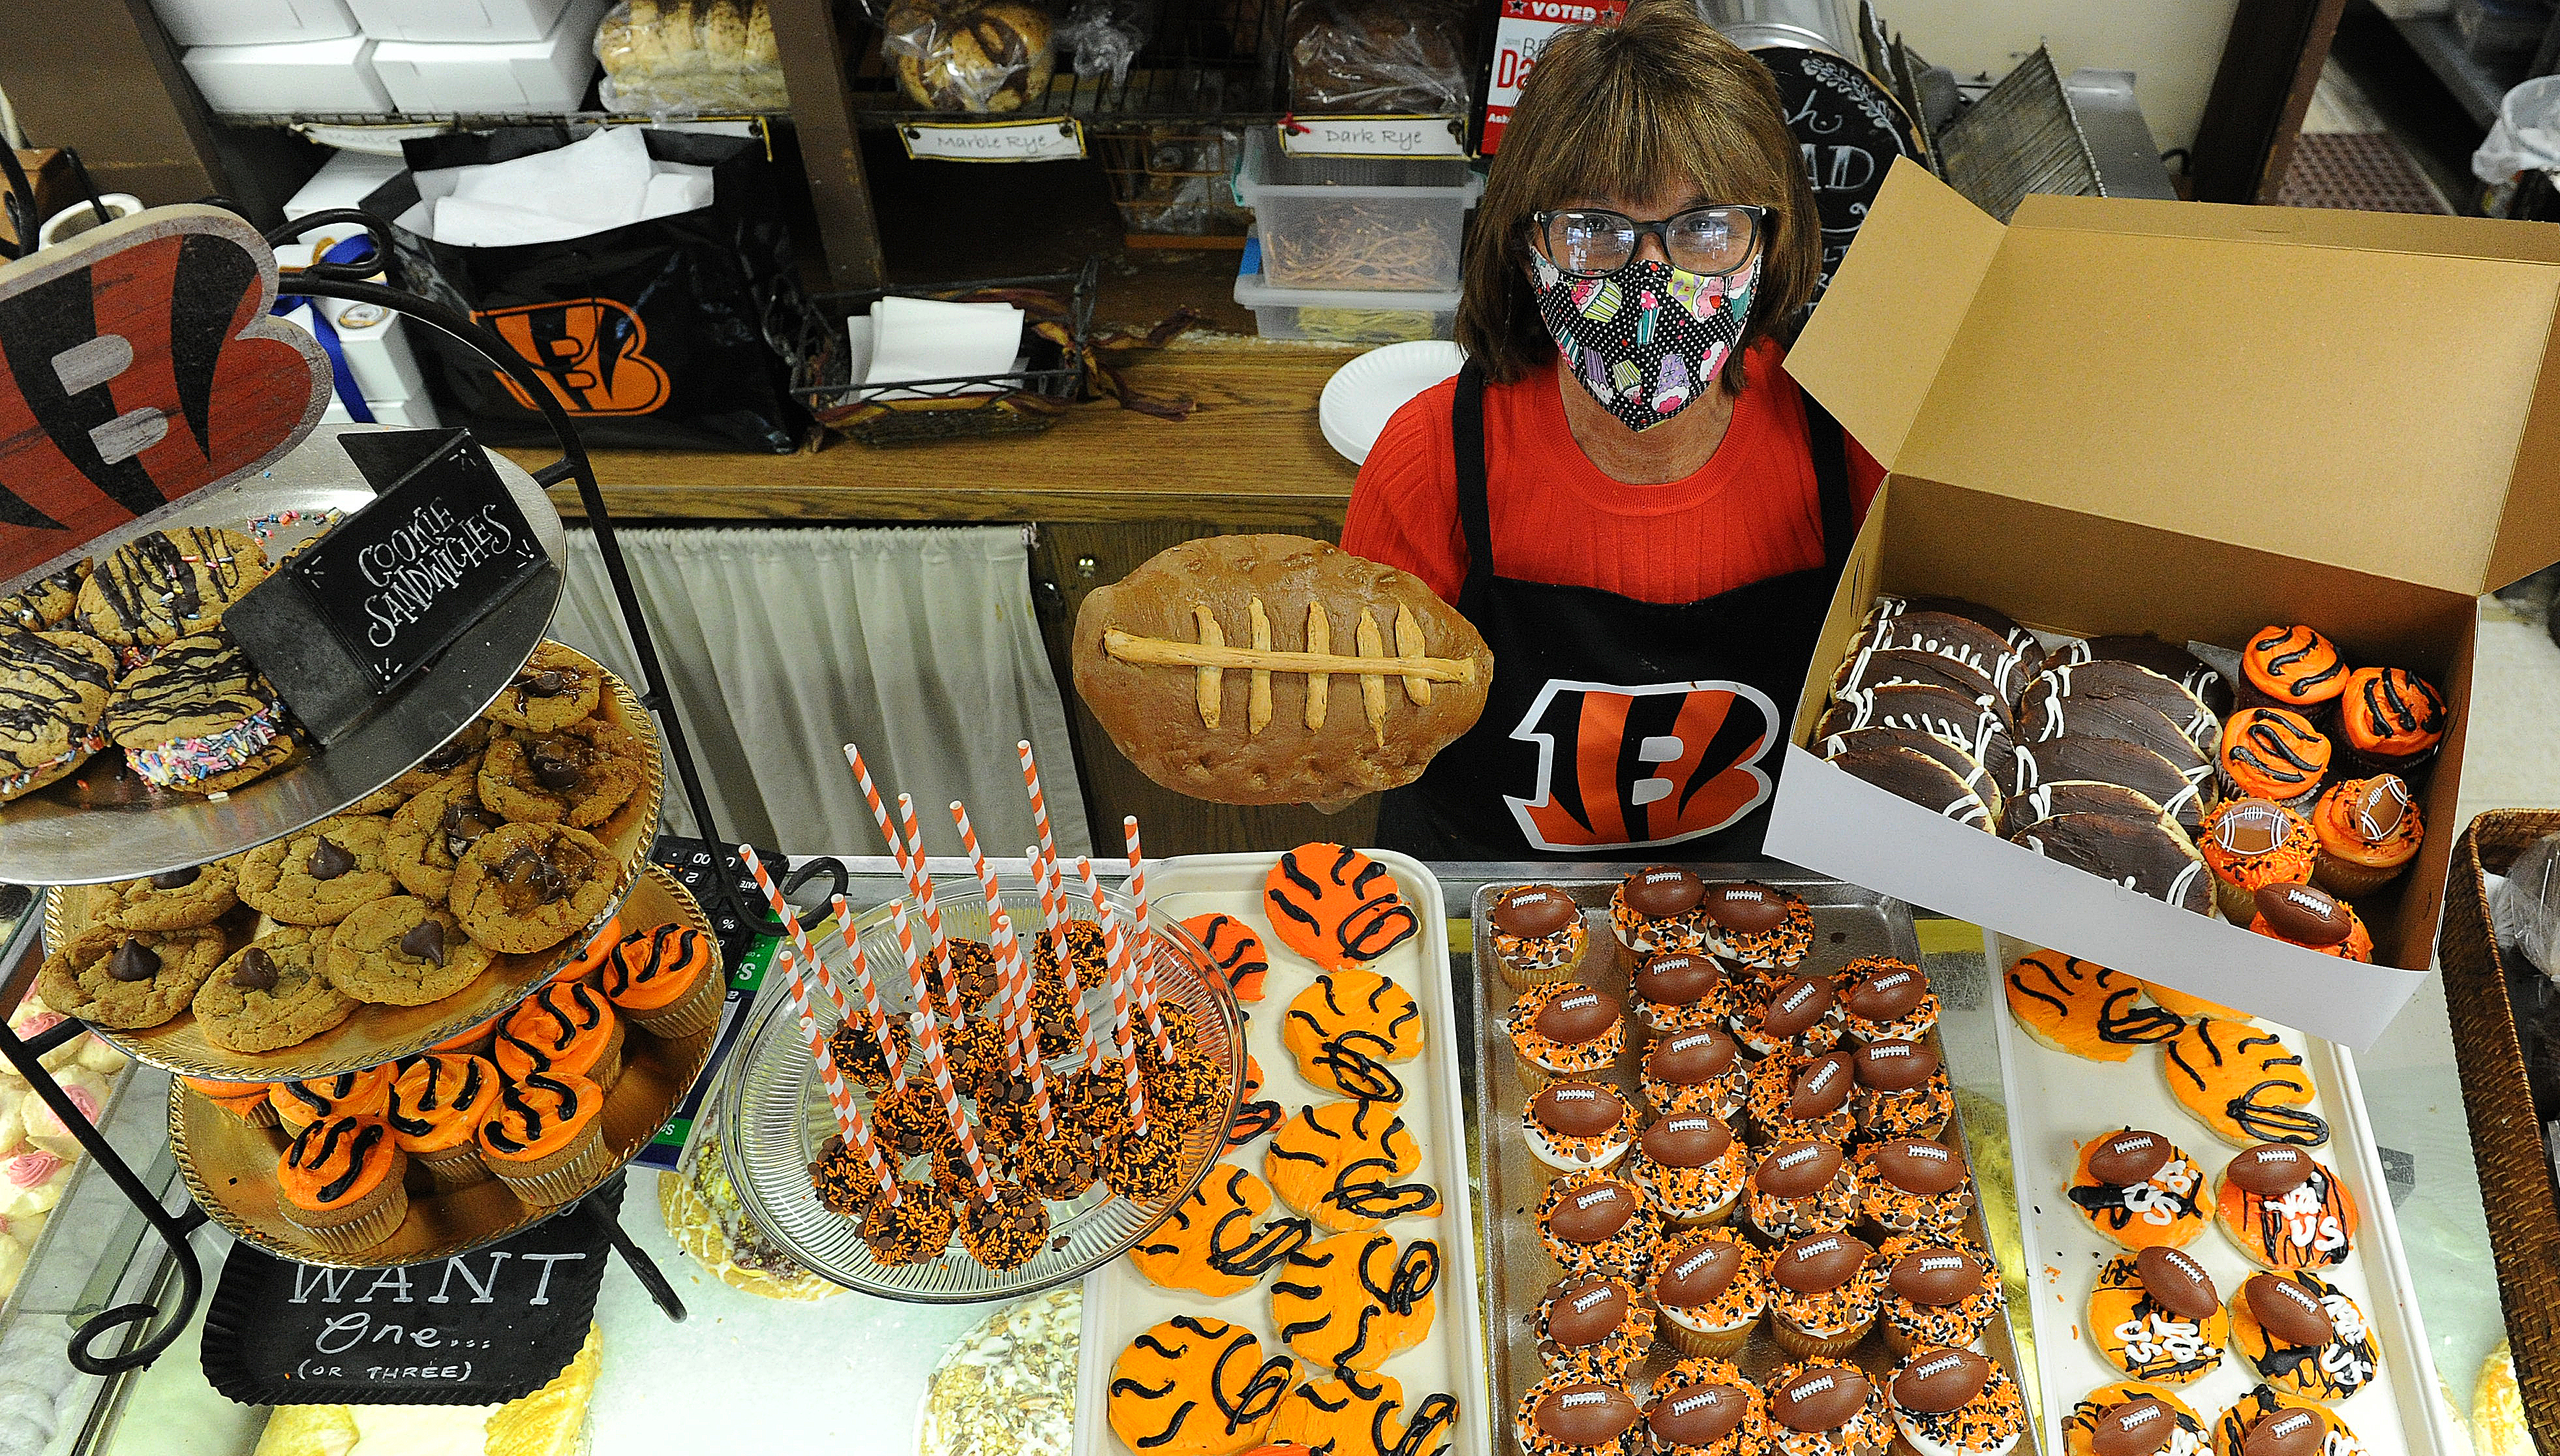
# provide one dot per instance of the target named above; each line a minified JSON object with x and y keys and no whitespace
{"x":375,"y":57}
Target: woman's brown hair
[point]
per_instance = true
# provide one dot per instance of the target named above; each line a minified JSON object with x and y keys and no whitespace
{"x":1620,"y":112}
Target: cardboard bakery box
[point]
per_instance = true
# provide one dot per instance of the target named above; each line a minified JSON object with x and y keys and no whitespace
{"x":2118,"y":416}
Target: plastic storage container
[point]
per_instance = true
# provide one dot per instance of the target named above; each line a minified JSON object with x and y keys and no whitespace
{"x":1341,"y":315}
{"x":1355,"y":223}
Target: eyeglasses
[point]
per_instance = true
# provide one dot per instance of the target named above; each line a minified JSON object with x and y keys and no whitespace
{"x":1715,"y":239}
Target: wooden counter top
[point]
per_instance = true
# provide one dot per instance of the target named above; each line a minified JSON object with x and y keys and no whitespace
{"x":1249,"y":455}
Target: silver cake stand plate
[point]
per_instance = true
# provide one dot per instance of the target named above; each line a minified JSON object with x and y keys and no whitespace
{"x":105,"y":823}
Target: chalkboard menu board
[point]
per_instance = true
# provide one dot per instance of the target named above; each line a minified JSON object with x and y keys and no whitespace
{"x":478,"y":1328}
{"x":1849,"y":129}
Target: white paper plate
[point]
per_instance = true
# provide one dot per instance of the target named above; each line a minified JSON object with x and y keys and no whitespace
{"x":1362,"y":393}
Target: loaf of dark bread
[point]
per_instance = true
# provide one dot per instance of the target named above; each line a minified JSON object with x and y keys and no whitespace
{"x":1276,"y":735}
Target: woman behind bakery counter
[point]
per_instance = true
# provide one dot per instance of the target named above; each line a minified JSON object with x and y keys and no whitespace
{"x":1624,"y":490}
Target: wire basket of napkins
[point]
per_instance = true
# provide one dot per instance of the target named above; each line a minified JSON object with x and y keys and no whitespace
{"x":914,"y":365}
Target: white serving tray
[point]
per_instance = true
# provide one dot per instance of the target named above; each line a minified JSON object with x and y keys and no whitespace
{"x":2399,"y":1414}
{"x":1120,"y":1303}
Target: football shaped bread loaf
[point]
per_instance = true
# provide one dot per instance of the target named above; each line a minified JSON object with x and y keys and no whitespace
{"x":1232,"y":669}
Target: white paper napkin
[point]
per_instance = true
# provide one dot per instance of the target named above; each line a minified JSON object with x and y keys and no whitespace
{"x":928,"y":339}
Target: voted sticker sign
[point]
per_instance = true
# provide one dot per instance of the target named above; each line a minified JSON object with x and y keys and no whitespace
{"x":1525,"y":28}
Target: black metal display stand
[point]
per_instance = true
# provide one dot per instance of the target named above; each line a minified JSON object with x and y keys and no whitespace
{"x":347,"y":281}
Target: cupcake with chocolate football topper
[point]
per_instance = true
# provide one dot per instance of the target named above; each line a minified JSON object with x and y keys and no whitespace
{"x":1801,"y":1017}
{"x":2140,"y":1189}
{"x":2282,"y":1211}
{"x":1593,"y":1223}
{"x":1937,"y":1291}
{"x":1564,"y":1029}
{"x":1578,"y":1127}
{"x":2304,"y":1336}
{"x":2388,"y":721}
{"x":1823,"y":1292}
{"x":2269,"y":1422}
{"x":1656,"y":908}
{"x":1681,"y":989}
{"x":1695,"y":1070}
{"x":2270,"y":754}
{"x":1594,"y":1327}
{"x":2290,"y":668}
{"x":1567,"y":1415}
{"x":340,"y":1182}
{"x":1882,"y":999}
{"x":2082,"y":1009}
{"x":1902,"y":1090}
{"x":1914,"y":1186}
{"x":2249,"y":844}
{"x":2129,"y":1418}
{"x":1711,"y":1289}
{"x":1691,"y":1167}
{"x":1826,"y":1408}
{"x":1539,"y":935}
{"x":2315,"y":919}
{"x":1751,"y":923}
{"x":1803,"y":1188}
{"x":1954,"y":1402}
{"x":1794,"y":1098}
{"x":2156,"y":1317}
{"x":2370,"y":829}
{"x":1704,"y":1406}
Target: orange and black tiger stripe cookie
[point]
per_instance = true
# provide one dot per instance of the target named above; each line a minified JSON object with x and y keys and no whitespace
{"x":2083,"y":1009}
{"x":1345,"y":1026}
{"x":1210,"y":1242}
{"x":1253,"y":1118}
{"x":1348,"y":1302}
{"x":1195,"y":1386}
{"x":1357,"y":1413}
{"x":1234,"y":952}
{"x":1335,"y":906}
{"x":1338,"y":1163}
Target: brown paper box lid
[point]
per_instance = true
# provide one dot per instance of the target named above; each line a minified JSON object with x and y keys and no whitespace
{"x":2367,"y":390}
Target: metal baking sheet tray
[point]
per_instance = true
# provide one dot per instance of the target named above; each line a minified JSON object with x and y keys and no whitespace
{"x":1848,"y":922}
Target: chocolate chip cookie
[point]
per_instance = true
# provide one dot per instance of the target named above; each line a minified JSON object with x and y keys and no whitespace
{"x":178,"y":899}
{"x":47,"y":603}
{"x":525,"y":887}
{"x":321,"y":875}
{"x":577,"y":776}
{"x":271,"y":994}
{"x":555,"y":688}
{"x":198,"y":716}
{"x":54,"y":689}
{"x":457,"y":754}
{"x":429,"y":832}
{"x":132,"y":979}
{"x":168,"y":584}
{"x":403,"y":951}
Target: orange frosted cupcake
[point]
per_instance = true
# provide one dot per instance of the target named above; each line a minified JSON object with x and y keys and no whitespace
{"x":2272,"y":755}
{"x":340,"y":1178}
{"x":437,"y":1108}
{"x":244,"y":1100}
{"x":546,"y":1136}
{"x":592,"y":957}
{"x":2293,"y":667}
{"x":668,"y":980}
{"x":2314,"y":920}
{"x":2389,"y":721}
{"x":2369,"y":831}
{"x":364,"y":1093}
{"x":473,"y":1043}
{"x":2250,"y":843}
{"x":564,"y":1029}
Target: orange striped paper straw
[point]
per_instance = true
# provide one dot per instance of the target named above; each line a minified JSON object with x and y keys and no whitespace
{"x":936,"y":1065}
{"x":1144,"y":952}
{"x":869,"y":988}
{"x":1010,"y":1004}
{"x":790,"y":918}
{"x":1054,"y":891}
{"x":848,"y":1118}
{"x":1116,"y":950}
{"x":923,"y":879}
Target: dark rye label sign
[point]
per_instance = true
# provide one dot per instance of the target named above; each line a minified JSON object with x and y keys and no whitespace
{"x":490,"y":1325}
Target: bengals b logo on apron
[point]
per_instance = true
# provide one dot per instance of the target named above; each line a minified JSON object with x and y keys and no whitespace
{"x":592,"y":353}
{"x":1645,"y":765}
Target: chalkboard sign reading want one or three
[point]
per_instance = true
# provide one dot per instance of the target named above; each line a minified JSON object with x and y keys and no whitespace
{"x":362,"y":608}
{"x":478,"y":1328}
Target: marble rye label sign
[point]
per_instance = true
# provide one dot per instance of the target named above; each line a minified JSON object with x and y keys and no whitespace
{"x":478,"y":1328}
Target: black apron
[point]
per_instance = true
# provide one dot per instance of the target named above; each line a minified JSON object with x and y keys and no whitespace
{"x":1616,"y":726}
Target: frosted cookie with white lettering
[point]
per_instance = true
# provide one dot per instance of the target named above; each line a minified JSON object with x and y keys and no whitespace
{"x":2130,"y":1418}
{"x":2156,"y":1317}
{"x":2283,"y":1210}
{"x":2268,"y":1422}
{"x":2140,"y":1189}
{"x":2304,"y":1336}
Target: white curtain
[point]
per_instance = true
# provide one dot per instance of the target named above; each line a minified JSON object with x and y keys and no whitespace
{"x":784,"y":644}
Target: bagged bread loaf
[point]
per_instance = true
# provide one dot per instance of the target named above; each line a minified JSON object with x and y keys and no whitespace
{"x":962,"y":57}
{"x":690,"y":55}
{"x":1228,"y":669}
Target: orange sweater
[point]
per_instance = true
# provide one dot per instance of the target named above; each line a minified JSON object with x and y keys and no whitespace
{"x":1751,"y":512}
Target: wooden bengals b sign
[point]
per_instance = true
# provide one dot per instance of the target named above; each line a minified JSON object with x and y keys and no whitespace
{"x":141,"y":367}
